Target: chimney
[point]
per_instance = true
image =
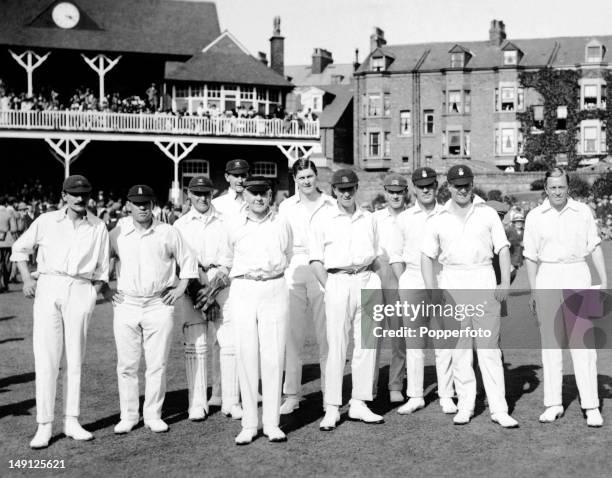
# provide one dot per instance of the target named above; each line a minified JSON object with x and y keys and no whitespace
{"x":277,"y":49}
{"x":497,"y":32}
{"x":320,"y":59}
{"x":377,"y":39}
{"x":356,"y":62}
{"x":261,"y":56}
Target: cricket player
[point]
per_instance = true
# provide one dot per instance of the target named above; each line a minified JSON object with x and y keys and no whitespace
{"x":259,"y":251}
{"x":204,"y":231}
{"x":411,"y":224}
{"x":306,"y":295}
{"x":73,"y":263}
{"x":395,"y":192}
{"x":148,"y":253}
{"x":344,"y":250}
{"x":464,"y":236}
{"x":559,"y":235}
{"x":230,"y":204}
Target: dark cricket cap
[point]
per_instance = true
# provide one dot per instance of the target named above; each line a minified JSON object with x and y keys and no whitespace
{"x":200,"y":184}
{"x":395,"y":182}
{"x":257,"y":184}
{"x":344,"y":178}
{"x":76,"y":184}
{"x":237,"y":166}
{"x":424,"y":176}
{"x":140,"y":193}
{"x":460,"y":175}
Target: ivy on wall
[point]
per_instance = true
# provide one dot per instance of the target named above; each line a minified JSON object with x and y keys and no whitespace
{"x":558,"y":88}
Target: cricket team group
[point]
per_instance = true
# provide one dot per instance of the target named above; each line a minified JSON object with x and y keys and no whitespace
{"x":249,"y":283}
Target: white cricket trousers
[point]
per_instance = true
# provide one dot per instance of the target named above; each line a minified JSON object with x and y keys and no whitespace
{"x":481,"y":279}
{"x":411,"y":291}
{"x":62,"y":308}
{"x":550,"y":315}
{"x":142,"y":322}
{"x":259,"y":311}
{"x":306,"y":299}
{"x":343,"y":312}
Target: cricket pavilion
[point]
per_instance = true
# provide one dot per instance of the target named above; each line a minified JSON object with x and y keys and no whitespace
{"x":74,"y":73}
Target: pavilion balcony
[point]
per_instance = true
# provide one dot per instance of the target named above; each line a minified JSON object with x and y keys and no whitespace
{"x":155,"y":123}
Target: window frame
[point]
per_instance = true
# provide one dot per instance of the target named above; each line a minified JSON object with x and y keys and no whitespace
{"x":457,"y":59}
{"x":517,"y":139}
{"x":429,"y":112}
{"x":464,"y":144}
{"x":377,"y":63}
{"x":405,"y":131}
{"x":510,"y":54}
{"x":370,"y":144}
{"x":263,"y":165}
{"x":518,"y":98}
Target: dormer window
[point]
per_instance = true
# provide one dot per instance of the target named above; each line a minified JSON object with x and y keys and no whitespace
{"x":457,"y":60}
{"x":378,"y":63}
{"x":510,"y":57}
{"x":459,"y":56}
{"x":595,"y":52}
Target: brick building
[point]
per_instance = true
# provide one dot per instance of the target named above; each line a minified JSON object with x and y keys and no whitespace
{"x":326,"y":90}
{"x":436,"y":103}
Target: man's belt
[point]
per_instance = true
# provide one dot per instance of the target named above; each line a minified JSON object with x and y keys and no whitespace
{"x":209,"y":267}
{"x":349,"y":270}
{"x":259,"y":277}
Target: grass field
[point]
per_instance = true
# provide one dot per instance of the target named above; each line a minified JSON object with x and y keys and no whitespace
{"x":425,"y":443}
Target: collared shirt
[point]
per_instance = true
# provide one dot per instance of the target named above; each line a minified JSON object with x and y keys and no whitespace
{"x":568,"y":235}
{"x":469,"y":241}
{"x":388,"y":231}
{"x":300,"y":218}
{"x":77,"y":249}
{"x":205,"y":233}
{"x":411,"y":225}
{"x":340,"y":240}
{"x":148,"y":259}
{"x":258,"y":247}
{"x":229,"y":205}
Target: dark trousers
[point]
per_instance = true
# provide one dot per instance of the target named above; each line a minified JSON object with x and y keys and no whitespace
{"x":5,"y":267}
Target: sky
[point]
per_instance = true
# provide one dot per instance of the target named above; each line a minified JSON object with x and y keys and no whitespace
{"x":340,"y":26}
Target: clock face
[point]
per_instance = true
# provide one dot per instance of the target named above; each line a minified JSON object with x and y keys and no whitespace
{"x":65,"y":15}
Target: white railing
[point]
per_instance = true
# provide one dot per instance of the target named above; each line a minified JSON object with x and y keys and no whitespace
{"x":160,"y":123}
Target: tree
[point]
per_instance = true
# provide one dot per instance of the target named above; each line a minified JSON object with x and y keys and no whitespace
{"x":603,"y":185}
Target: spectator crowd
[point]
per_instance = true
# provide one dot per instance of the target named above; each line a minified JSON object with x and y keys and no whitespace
{"x":84,"y":99}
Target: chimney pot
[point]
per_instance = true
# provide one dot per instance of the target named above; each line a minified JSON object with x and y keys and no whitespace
{"x":321,"y":58}
{"x":497,"y":32}
{"x":277,"y":48}
{"x":263,"y":57}
{"x":377,"y":39}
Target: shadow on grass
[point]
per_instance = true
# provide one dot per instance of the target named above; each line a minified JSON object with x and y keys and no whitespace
{"x":15,"y":339}
{"x":13,"y":379}
{"x":17,"y":409}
